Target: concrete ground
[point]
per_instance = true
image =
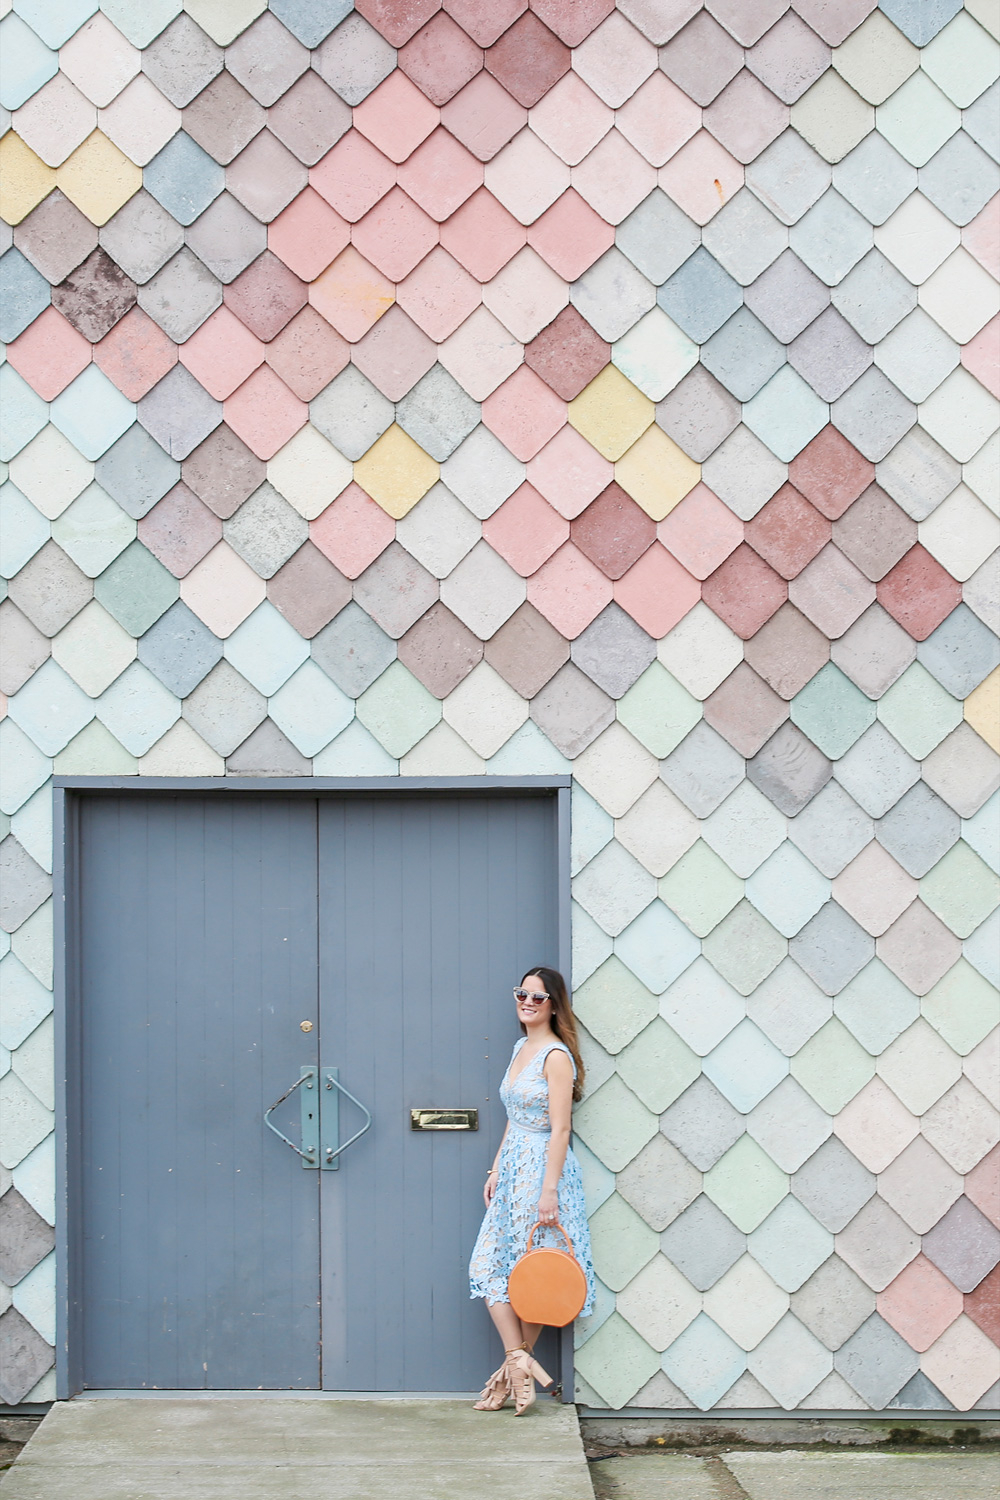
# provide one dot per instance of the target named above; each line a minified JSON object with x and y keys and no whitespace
{"x":233,"y":1448}
{"x":842,"y":1474}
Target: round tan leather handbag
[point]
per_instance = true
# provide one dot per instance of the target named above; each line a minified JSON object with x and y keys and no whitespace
{"x":547,"y":1285}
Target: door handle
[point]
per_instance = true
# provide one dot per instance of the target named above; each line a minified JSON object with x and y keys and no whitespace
{"x":309,"y":1098}
{"x":320,"y":1118}
{"x":331,"y":1148}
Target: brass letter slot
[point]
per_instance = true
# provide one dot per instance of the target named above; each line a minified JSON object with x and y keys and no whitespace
{"x":444,"y":1119}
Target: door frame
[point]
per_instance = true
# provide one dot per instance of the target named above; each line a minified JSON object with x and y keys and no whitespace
{"x":67,"y":794}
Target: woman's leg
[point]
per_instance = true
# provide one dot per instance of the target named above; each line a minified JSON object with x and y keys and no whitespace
{"x":507,"y":1324}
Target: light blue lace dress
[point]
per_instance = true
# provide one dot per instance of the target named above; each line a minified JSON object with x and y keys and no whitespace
{"x":507,"y":1223}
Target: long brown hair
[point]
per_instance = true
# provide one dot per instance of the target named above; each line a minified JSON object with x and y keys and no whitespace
{"x":563,"y":1019}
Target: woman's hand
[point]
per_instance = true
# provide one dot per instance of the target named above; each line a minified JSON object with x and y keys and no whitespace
{"x":548,"y":1206}
{"x":490,"y":1188}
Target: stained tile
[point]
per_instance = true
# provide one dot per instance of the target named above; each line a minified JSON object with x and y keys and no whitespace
{"x":50,"y":589}
{"x":95,"y":296}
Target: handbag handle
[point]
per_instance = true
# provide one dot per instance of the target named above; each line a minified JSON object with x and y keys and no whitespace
{"x":540,"y":1225}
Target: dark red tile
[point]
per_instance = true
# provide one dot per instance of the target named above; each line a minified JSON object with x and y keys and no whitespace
{"x":983,"y":1305}
{"x":440,"y":59}
{"x":572,"y":20}
{"x":485,"y":20}
{"x":95,"y":296}
{"x":266,"y":296}
{"x":528,"y":59}
{"x":397,"y":20}
{"x":567,"y":354}
{"x":918,"y":593}
{"x":308,"y":590}
{"x":745,"y":591}
{"x":613,"y":531}
{"x":831,"y":472}
{"x":788,"y":532}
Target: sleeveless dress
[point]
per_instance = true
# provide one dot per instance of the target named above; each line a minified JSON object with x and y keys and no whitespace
{"x":503,"y":1236}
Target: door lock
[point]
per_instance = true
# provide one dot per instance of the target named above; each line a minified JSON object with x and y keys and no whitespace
{"x":319,"y":1117}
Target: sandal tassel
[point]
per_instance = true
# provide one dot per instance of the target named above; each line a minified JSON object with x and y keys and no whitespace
{"x":496,"y":1392}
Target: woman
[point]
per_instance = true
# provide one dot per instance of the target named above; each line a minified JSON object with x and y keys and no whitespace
{"x":535,"y":1178}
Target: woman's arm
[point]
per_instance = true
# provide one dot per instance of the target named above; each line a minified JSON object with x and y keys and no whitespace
{"x":491,"y":1178}
{"x":559,"y":1075}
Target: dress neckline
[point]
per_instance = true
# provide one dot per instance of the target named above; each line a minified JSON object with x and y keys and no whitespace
{"x":542,"y":1051}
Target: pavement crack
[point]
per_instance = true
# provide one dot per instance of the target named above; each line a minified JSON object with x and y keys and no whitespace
{"x":727,"y":1486}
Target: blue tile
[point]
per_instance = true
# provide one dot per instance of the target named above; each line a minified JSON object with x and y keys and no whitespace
{"x":25,"y":62}
{"x":657,"y":237}
{"x":960,"y":652}
{"x":24,"y":293}
{"x":92,"y":413}
{"x":183,"y":178}
{"x":179,"y":413}
{"x":136,"y":472}
{"x":920,"y":20}
{"x":700,"y":296}
{"x":874,"y":178}
{"x":961,"y":179}
{"x":24,"y":413}
{"x":179,"y":649}
{"x":982,"y":121}
{"x":55,"y":21}
{"x":311,"y":20}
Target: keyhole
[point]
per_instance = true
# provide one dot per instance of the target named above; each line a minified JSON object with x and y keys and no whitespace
{"x":305,"y":1026}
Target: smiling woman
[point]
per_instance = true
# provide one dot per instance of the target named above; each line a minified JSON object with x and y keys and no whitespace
{"x":535,"y":1178}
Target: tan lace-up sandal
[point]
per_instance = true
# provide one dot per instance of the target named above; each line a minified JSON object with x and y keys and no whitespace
{"x":522,"y":1372}
{"x":496,"y":1391}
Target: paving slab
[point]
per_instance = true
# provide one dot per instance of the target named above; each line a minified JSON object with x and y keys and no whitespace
{"x":865,"y":1476}
{"x":299,"y":1448}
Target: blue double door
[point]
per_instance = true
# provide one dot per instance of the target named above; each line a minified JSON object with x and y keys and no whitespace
{"x":223,"y":943}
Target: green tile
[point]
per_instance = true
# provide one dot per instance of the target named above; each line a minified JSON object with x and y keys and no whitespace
{"x":832,"y":1066}
{"x":963,"y":1007}
{"x":398,"y":710}
{"x":136,"y":589}
{"x":621,"y":1242}
{"x":95,"y":752}
{"x":614,"y":1005}
{"x":616,"y":1362}
{"x":961,"y":890}
{"x":832,"y":711}
{"x":658,"y":711}
{"x":701,"y":889}
{"x":746,"y":1184}
{"x":658,"y":1065}
{"x":614,"y":1124}
{"x":918,"y":711}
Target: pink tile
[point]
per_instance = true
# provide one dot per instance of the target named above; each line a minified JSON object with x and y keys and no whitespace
{"x":570,"y":119}
{"x":526,"y":294}
{"x":528,"y":59}
{"x":615,"y":59}
{"x":569,"y":591}
{"x":397,"y":20}
{"x":482,"y":235}
{"x":353,"y":531}
{"x":982,"y":237}
{"x":746,"y":117}
{"x":982,"y":1186}
{"x":524,"y":413}
{"x":525,"y":530}
{"x":265,"y":413}
{"x":441,"y":175}
{"x":920,"y":1304}
{"x":572,"y":21}
{"x":135,"y":354}
{"x":614,"y":178}
{"x":569,"y":472}
{"x":49,"y":354}
{"x":396,"y":117}
{"x":480,"y":354}
{"x":701,"y":177}
{"x":394,"y":354}
{"x":485,"y":20}
{"x":395,"y":235}
{"x":657,"y":592}
{"x":701,"y":531}
{"x":307,"y":354}
{"x":527,"y":177}
{"x":266,"y":296}
{"x":351,"y":294}
{"x":980,"y":356}
{"x":438,"y":295}
{"x":308,"y":234}
{"x":483,"y":116}
{"x":440,"y":58}
{"x":222,"y":353}
{"x":570,"y":236}
{"x":265,"y":177}
{"x":658,"y":119}
{"x":353,"y":176}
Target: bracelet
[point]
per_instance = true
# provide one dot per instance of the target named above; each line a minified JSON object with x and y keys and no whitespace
{"x":491,"y":1173}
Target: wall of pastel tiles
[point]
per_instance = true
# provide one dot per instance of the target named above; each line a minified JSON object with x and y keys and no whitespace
{"x":520,"y":386}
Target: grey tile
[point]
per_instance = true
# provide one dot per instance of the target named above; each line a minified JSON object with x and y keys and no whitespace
{"x":612,"y":295}
{"x":873,"y":415}
{"x":698,"y":414}
{"x":789,"y":770}
{"x":24,"y":648}
{"x":309,"y":119}
{"x":833,"y":1185}
{"x":24,"y":1357}
{"x":182,"y":61}
{"x":960,"y":179}
{"x":180,"y":650}
{"x":830,"y":355}
{"x":743,"y":355}
{"x":700,"y":296}
{"x":657,"y":237}
{"x":658,"y":1183}
{"x":24,"y":293}
{"x":918,"y":474}
{"x":25,"y":1238}
{"x":613,"y":650}
{"x":831,"y":830}
{"x":310,"y":20}
{"x":744,"y":948}
{"x":353,"y":650}
{"x":227,"y":237}
{"x":919,"y":830}
{"x":702,"y":1124}
{"x":223,"y":472}
{"x":834,"y":1302}
{"x":267,"y":752}
{"x":876,"y":1362}
{"x":831,"y":237}
{"x":787,"y":297}
{"x":832,"y":948}
{"x":440,"y":650}
{"x":437,"y":413}
{"x":178,"y":412}
{"x":745,"y":237}
{"x":141,"y":237}
{"x":963,"y":770}
{"x":960,"y":652}
{"x":354,"y":59}
{"x":920,"y":20}
{"x":874,"y":178}
{"x":874,"y":297}
{"x":395,"y":590}
{"x":266,"y":58}
{"x":919,"y":1394}
{"x":964,"y":1245}
{"x":917,"y":355}
{"x":876,"y":771}
{"x":702,"y":1243}
{"x":55,"y":237}
{"x":24,"y":885}
{"x":982,"y":121}
{"x":181,"y":295}
{"x":50,"y":589}
{"x":136,"y":472}
{"x":701,"y":58}
{"x":874,"y":651}
{"x":224,"y":708}
{"x":223,"y":118}
{"x":183,"y":178}
{"x":788,"y":177}
{"x":351,"y":412}
{"x":265,"y":531}
{"x":703,"y":770}
{"x":982,"y":592}
{"x":571,"y":710}
{"x":874,"y":533}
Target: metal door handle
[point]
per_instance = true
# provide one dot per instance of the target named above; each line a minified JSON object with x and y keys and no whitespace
{"x":330,"y":1121}
{"x":310,"y":1114}
{"x":320,"y":1114}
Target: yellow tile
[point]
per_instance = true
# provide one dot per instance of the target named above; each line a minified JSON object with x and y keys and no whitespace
{"x":982,"y":709}
{"x":656,"y":473}
{"x":24,"y":179}
{"x":396,"y":472}
{"x":99,"y":178}
{"x":611,"y":413}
